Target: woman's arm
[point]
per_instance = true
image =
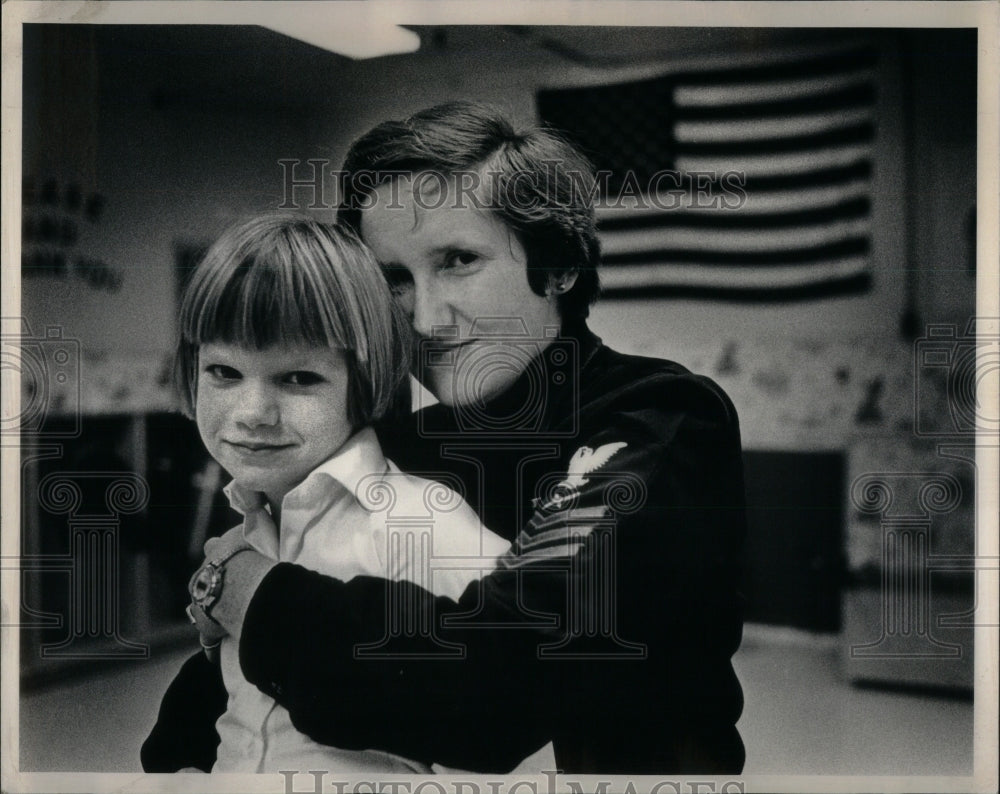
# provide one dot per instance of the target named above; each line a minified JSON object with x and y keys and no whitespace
{"x":184,"y":735}
{"x":631,"y":674}
{"x":608,"y":629}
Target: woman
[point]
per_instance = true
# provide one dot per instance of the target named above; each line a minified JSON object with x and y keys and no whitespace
{"x":609,"y":627}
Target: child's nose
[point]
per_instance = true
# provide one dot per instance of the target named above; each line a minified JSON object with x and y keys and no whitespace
{"x":257,"y":406}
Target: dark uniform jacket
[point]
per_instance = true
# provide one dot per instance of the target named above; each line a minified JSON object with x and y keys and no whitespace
{"x":608,"y":628}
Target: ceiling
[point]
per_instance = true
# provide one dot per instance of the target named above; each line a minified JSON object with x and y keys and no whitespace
{"x":238,"y":64}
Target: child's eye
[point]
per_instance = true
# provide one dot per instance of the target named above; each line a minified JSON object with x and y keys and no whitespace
{"x":303,"y":378}
{"x":222,"y":372}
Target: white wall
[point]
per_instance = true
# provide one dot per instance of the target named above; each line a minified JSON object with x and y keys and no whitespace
{"x":173,"y":173}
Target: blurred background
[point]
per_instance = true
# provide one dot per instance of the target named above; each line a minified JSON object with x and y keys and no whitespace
{"x":832,"y":300}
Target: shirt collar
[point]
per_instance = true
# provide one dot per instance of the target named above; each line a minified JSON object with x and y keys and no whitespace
{"x":356,"y":465}
{"x":243,"y":500}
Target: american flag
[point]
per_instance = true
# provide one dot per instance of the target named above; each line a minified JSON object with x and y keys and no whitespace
{"x":750,"y":181}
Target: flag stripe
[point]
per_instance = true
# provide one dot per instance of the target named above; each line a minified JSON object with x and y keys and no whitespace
{"x":824,"y":286}
{"x":763,"y":128}
{"x":695,"y":202}
{"x":702,"y":95}
{"x":856,"y":133}
{"x":678,"y":190}
{"x":852,"y":208}
{"x":846,"y":98}
{"x":836,"y":174}
{"x":849,"y":60}
{"x":752,"y":240}
{"x":798,"y":163}
{"x":853,"y":246}
{"x":733,"y":275}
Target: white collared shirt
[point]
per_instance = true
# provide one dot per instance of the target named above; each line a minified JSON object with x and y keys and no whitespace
{"x":356,"y":514}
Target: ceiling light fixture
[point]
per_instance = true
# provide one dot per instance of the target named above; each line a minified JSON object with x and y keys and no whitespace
{"x":352,"y":28}
{"x":356,"y":36}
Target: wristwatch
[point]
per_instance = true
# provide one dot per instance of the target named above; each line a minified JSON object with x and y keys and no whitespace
{"x":206,"y":584}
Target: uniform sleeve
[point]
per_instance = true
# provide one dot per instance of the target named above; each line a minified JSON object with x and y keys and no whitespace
{"x":184,"y":734}
{"x":608,"y":627}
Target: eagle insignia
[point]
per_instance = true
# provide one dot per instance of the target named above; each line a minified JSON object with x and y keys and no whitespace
{"x":584,"y":461}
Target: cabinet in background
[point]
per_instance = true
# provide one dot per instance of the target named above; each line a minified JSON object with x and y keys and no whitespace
{"x":113,"y":518}
{"x":911,"y":539}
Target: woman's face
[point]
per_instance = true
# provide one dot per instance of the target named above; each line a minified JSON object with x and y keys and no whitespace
{"x":461,"y":275}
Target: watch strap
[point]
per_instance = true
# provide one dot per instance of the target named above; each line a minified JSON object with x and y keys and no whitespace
{"x":206,"y":585}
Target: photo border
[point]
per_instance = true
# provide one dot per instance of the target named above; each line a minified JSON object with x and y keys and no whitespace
{"x":981,"y":15}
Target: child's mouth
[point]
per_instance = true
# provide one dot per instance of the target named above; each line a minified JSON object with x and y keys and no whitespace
{"x":256,"y":446}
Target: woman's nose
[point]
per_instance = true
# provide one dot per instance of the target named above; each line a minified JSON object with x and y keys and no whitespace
{"x":430,"y":311}
{"x":256,"y":406}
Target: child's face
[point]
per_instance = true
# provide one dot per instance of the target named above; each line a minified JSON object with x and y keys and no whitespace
{"x":270,"y":417}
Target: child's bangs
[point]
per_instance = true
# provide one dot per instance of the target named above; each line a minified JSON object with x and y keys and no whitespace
{"x":261,"y":303}
{"x":276,"y":281}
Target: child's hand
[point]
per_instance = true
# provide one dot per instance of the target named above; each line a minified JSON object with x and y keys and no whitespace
{"x":225,"y":545}
{"x":244,"y":569}
{"x":210,"y":632}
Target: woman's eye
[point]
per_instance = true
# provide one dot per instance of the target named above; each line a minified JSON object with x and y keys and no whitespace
{"x":461,"y":259}
{"x":222,"y":372}
{"x":303,"y":378}
{"x":400,"y":289}
{"x":399,"y":279}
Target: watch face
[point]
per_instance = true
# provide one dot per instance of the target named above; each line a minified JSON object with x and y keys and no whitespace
{"x":204,"y":584}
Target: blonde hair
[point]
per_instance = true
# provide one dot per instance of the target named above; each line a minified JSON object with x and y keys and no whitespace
{"x":287,"y":279}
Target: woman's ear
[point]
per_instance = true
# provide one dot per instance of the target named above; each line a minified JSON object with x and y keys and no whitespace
{"x":561,"y":283}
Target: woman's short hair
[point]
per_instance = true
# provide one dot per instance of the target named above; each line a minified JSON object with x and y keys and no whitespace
{"x":539,"y":185}
{"x":286,"y":279}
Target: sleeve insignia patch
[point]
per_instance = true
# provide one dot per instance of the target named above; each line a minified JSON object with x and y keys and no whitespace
{"x":584,"y":461}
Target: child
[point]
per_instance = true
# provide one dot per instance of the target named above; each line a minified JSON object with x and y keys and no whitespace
{"x":290,"y":346}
